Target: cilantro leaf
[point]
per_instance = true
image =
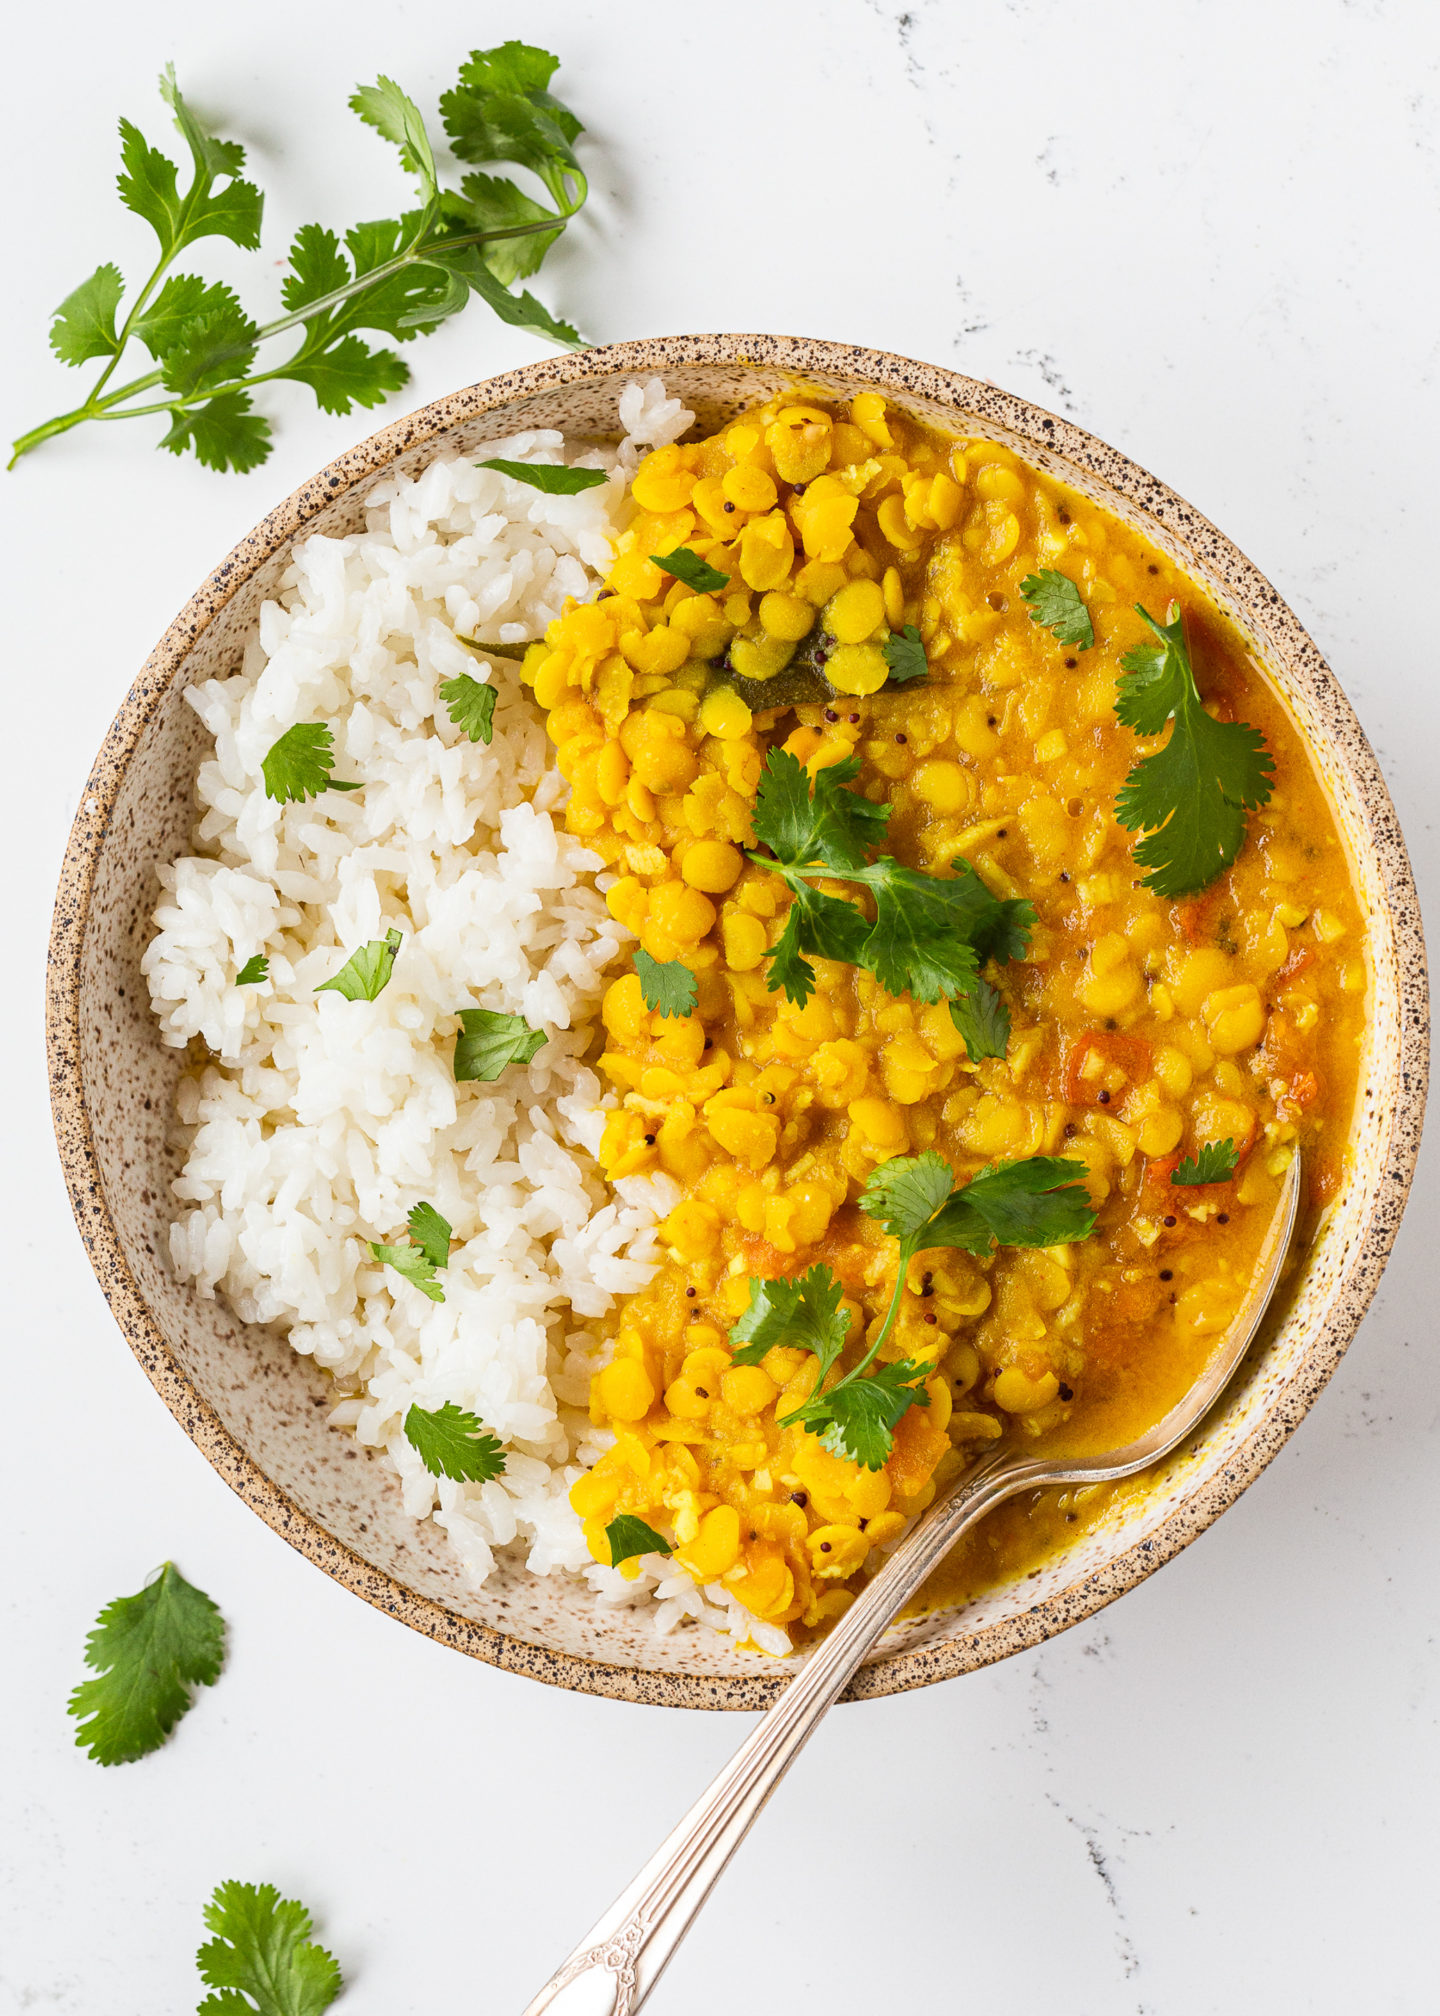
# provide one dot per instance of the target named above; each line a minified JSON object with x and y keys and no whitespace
{"x":501,"y":110}
{"x":521,"y":311}
{"x":828,"y":926}
{"x":224,"y":433}
{"x":489,"y":1041}
{"x":453,"y":1443}
{"x":824,"y":826}
{"x":396,"y":118}
{"x":210,"y":349}
{"x":253,"y":971}
{"x":470,"y":706}
{"x":147,"y":1651}
{"x":366,"y":973}
{"x":432,"y":1234}
{"x":804,"y":1313}
{"x":84,"y":324}
{"x":857,"y":1418}
{"x":905,"y":655}
{"x":1215,"y":1162}
{"x":1190,"y":798}
{"x":346,"y":374}
{"x":184,"y":300}
{"x":692,"y":570}
{"x":519,"y":66}
{"x":298,"y":765}
{"x":233,"y":212}
{"x":919,"y":943}
{"x":1038,"y":1201}
{"x":629,"y":1536}
{"x":1055,"y":603}
{"x":667,"y":987}
{"x":553,"y":478}
{"x":931,"y":933}
{"x":906,"y":1192}
{"x":981,"y":1016}
{"x":262,"y":1951}
{"x":494,"y":203}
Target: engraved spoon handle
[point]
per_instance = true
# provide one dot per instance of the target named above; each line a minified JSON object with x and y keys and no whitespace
{"x":614,"y":1968}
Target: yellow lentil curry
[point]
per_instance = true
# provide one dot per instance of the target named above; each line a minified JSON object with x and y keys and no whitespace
{"x":1140,"y":1028}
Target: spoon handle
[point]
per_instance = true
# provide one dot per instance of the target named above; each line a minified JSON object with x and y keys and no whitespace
{"x":613,"y":1970}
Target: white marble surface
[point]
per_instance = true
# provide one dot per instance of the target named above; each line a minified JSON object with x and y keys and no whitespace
{"x":1208,"y":232}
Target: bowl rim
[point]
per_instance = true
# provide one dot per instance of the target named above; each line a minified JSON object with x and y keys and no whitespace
{"x":800,"y":358}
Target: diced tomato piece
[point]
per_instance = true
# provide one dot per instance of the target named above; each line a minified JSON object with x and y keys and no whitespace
{"x":1304,"y":1088}
{"x":1129,"y":1055}
{"x":1195,"y":917}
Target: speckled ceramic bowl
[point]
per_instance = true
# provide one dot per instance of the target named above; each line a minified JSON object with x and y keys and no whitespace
{"x":258,"y":1411}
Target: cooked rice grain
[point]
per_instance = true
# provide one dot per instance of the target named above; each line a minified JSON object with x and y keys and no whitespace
{"x":320,"y":1121}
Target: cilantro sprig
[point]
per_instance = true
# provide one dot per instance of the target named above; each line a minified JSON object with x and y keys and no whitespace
{"x":262,"y":1960}
{"x":451,"y":1442}
{"x":1190,"y":797}
{"x":1214,"y":1162}
{"x":400,"y":277}
{"x":1056,"y":604}
{"x":1040,"y":1201}
{"x":931,"y":934}
{"x":147,"y":1652}
{"x":255,"y":971}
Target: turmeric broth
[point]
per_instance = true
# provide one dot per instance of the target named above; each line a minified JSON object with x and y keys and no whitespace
{"x":1141,"y":1029}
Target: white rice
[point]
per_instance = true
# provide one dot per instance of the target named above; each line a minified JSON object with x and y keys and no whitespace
{"x":321,"y":1121}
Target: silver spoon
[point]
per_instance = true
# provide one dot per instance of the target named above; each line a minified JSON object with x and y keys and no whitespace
{"x":613,"y":1970}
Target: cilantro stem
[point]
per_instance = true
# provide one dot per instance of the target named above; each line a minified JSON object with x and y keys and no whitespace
{"x":907,"y":1254}
{"x":96,"y":408}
